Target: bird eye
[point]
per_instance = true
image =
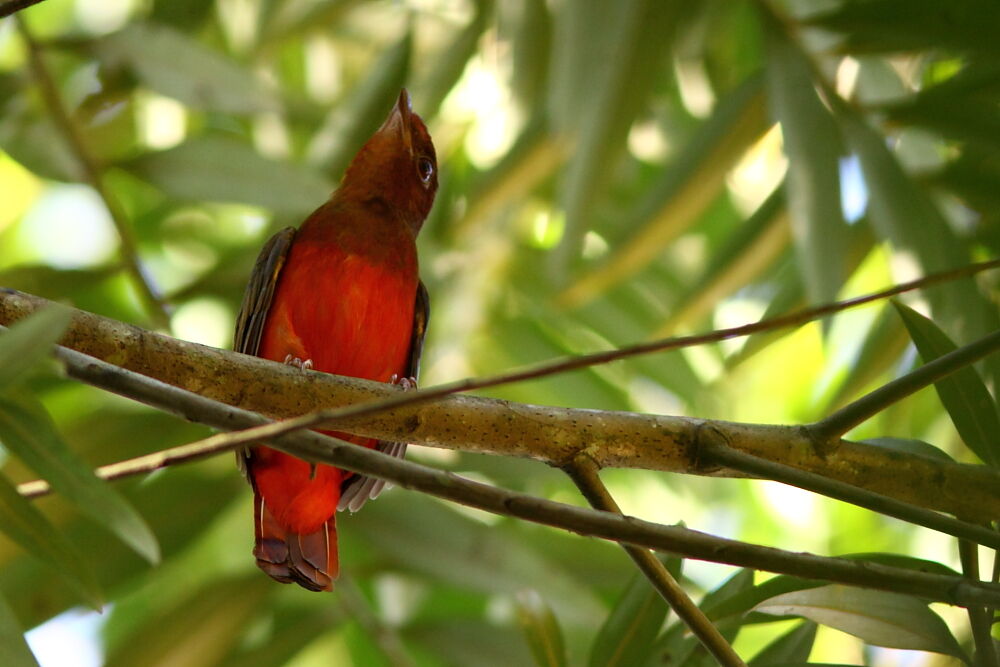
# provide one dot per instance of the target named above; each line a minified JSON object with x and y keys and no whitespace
{"x":425,"y":169}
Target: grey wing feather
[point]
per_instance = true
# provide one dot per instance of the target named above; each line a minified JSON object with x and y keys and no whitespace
{"x":359,"y":489}
{"x":257,"y":303}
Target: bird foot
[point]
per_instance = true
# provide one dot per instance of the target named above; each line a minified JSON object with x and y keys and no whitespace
{"x":302,"y":366}
{"x":406,"y":384}
{"x":298,"y":363}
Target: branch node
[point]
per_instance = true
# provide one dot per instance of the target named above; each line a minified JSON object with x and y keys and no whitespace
{"x":823,"y":444}
{"x":706,"y":438}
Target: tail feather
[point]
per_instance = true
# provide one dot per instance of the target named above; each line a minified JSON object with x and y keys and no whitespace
{"x":308,"y":560}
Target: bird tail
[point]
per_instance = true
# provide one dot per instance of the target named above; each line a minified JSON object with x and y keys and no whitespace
{"x":309,"y":560}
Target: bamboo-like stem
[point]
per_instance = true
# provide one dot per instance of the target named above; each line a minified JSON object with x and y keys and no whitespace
{"x":552,"y":435}
{"x":979,"y":621}
{"x":758,"y":467}
{"x":688,"y":543}
{"x":834,"y":426}
{"x":91,"y":173}
{"x":584,"y":473}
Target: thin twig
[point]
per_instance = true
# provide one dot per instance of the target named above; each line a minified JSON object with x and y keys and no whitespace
{"x":584,"y":473}
{"x":840,"y":422}
{"x":187,"y":453}
{"x":791,"y":319}
{"x":986,"y":655}
{"x":12,"y":6}
{"x":688,"y":543}
{"x":92,"y":175}
{"x":718,"y":453}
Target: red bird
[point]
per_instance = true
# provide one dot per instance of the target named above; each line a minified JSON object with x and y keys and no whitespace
{"x":340,"y":295}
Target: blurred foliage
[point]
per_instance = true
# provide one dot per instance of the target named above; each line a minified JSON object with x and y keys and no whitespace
{"x":610,"y":172}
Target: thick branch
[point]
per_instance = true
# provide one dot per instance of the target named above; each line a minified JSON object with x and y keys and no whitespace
{"x":682,"y":541}
{"x":549,"y":434}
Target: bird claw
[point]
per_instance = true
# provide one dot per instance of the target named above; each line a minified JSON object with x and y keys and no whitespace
{"x":406,"y":384}
{"x":298,"y":363}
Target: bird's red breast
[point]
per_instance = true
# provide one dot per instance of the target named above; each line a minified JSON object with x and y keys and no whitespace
{"x":345,"y":301}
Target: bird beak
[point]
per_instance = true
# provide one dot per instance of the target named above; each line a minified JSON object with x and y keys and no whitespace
{"x":399,"y":118}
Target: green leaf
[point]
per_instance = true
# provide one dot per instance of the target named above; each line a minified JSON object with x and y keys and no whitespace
{"x":973,"y":175}
{"x":452,"y":61}
{"x":29,"y":341}
{"x":169,"y":500}
{"x":28,"y":432}
{"x":198,"y":630}
{"x":627,"y":635}
{"x":212,"y":168}
{"x":961,"y":108}
{"x":531,"y":46}
{"x":746,"y":599}
{"x":292,"y":628}
{"x":911,"y":446}
{"x":353,"y":121}
{"x":790,"y":295}
{"x":890,"y":26}
{"x":877,"y":617}
{"x":963,"y":393}
{"x":727,"y":590}
{"x":752,"y":249}
{"x":181,"y":14}
{"x":541,"y":629}
{"x":812,"y":142}
{"x":907,"y":562}
{"x":14,"y":651}
{"x":173,"y":64}
{"x":884,"y":343}
{"x":468,"y":641}
{"x":792,"y":647}
{"x":28,"y":139}
{"x":49,"y":282}
{"x":907,"y":216}
{"x":24,"y":524}
{"x":429,"y":539}
{"x":618,"y":52}
{"x":681,"y":194}
{"x":533,"y":157}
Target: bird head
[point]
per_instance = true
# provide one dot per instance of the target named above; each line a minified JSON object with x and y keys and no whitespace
{"x":397,"y":165}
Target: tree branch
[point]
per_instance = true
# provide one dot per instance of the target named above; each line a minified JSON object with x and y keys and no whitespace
{"x":681,"y":541}
{"x":92,"y":176}
{"x":979,"y":619}
{"x":12,"y":6}
{"x":584,"y":473}
{"x":832,"y":427}
{"x":549,"y":434}
{"x":722,"y":455}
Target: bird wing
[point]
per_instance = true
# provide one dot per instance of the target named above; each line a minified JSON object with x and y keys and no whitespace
{"x":358,"y":488}
{"x":257,"y":303}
